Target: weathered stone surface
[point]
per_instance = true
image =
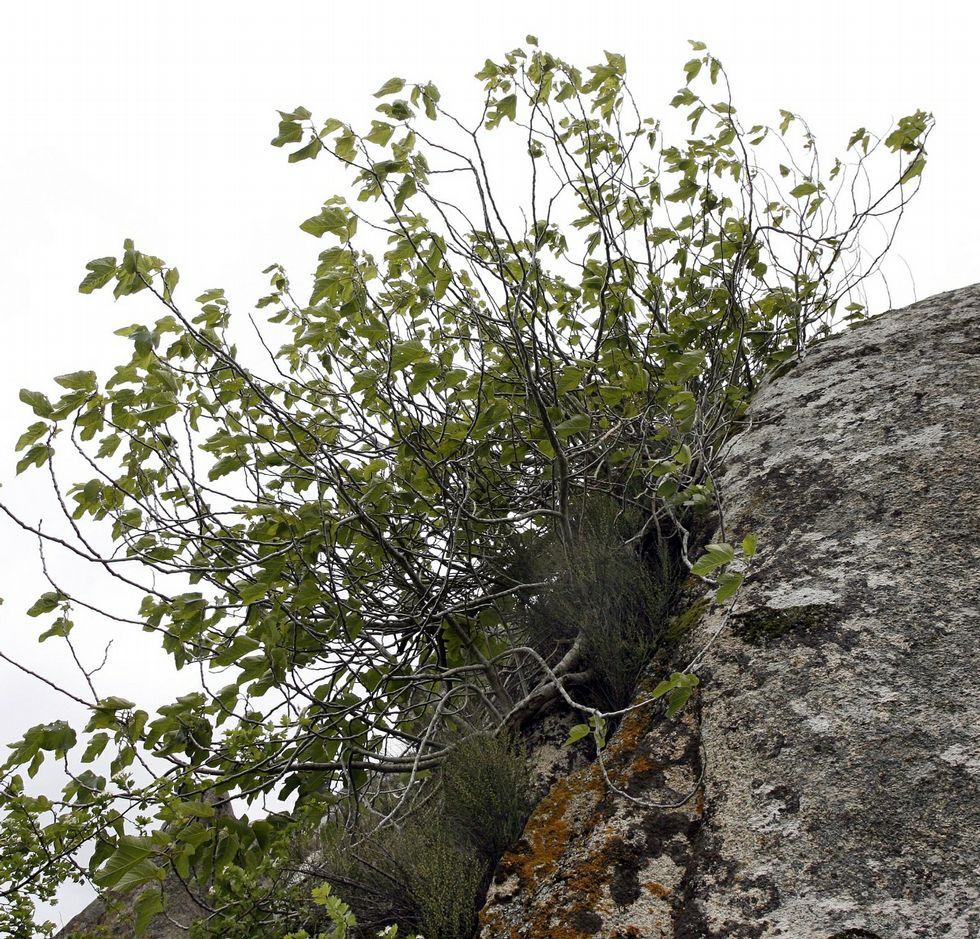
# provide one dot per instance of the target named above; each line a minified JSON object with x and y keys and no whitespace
{"x":599,"y":856}
{"x":99,"y":921}
{"x":549,"y":760}
{"x":840,"y":706}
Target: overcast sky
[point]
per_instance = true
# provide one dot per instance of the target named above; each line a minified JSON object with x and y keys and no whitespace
{"x":152,"y":121}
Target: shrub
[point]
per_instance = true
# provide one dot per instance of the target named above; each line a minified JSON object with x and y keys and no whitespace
{"x":431,"y":872}
{"x":486,"y":793}
{"x":614,"y":595}
{"x":441,"y":878}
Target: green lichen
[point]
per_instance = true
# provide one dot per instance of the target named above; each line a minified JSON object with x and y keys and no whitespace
{"x":757,"y":627}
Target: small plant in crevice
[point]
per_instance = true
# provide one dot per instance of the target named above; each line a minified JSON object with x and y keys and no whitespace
{"x":486,"y":795}
{"x":430,"y":872}
{"x":612,"y":596}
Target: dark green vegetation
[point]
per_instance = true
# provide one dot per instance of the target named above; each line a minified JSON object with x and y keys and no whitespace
{"x":430,"y":873}
{"x":758,"y":627}
{"x":460,"y":491}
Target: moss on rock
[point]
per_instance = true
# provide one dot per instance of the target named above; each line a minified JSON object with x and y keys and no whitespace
{"x":685,"y":621}
{"x":757,"y":627}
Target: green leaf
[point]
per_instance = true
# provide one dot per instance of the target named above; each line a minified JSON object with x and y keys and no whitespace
{"x":38,"y":402}
{"x":215,"y":293}
{"x":569,"y":379}
{"x":404,"y":354}
{"x":147,"y":906}
{"x":46,"y":603}
{"x":308,"y":152}
{"x":577,"y":733}
{"x":508,"y":107}
{"x":60,"y":627}
{"x":95,"y":747}
{"x":297,"y":114}
{"x":32,"y":434}
{"x":687,"y":189}
{"x":728,"y":584}
{"x":170,"y":281}
{"x":58,"y":737}
{"x":683,"y":367}
{"x":109,"y":445}
{"x":406,"y":190}
{"x":683,"y":406}
{"x":906,"y":136}
{"x":749,"y":545}
{"x":390,"y":87}
{"x":115,"y":703}
{"x":691,"y":70}
{"x":918,"y":165}
{"x":195,"y":810}
{"x":345,"y":146}
{"x":716,"y":555}
{"x":38,"y":455}
{"x":226,"y":465}
{"x":666,"y":686}
{"x":677,"y":701}
{"x":860,"y":136}
{"x":658,"y":236}
{"x":505,"y":107}
{"x":289,"y":132}
{"x":577,"y":424}
{"x":678,"y":689}
{"x":78,"y":381}
{"x":683,"y":98}
{"x":130,"y":866}
{"x":101,"y":271}
{"x":804,"y":189}
{"x":333,"y":219}
{"x":381,"y":133}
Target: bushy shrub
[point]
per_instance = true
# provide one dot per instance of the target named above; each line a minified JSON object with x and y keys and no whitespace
{"x":430,"y":873}
{"x":486,"y":793}
{"x":441,"y":878}
{"x":616,"y":596}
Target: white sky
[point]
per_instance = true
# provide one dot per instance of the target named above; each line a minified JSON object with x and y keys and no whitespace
{"x":152,"y":121}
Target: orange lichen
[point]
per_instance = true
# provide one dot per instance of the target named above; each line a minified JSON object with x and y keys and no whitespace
{"x":569,"y":859}
{"x":643,"y":764}
{"x":548,"y":832}
{"x":636,"y":725}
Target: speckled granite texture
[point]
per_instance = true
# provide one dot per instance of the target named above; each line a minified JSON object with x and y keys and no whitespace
{"x":838,"y":723}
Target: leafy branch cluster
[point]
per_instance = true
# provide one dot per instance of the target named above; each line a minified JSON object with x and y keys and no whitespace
{"x":474,"y":376}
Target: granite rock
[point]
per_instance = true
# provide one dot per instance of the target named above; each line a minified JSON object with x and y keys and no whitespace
{"x":836,"y":733}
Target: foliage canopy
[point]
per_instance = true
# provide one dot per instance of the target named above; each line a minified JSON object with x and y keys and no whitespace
{"x":332,"y":539}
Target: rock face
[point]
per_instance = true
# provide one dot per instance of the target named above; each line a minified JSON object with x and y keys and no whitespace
{"x":99,"y":921}
{"x":836,"y":735}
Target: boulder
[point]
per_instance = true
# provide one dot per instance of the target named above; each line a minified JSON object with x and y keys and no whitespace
{"x":116,"y":919}
{"x":825,"y":780}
